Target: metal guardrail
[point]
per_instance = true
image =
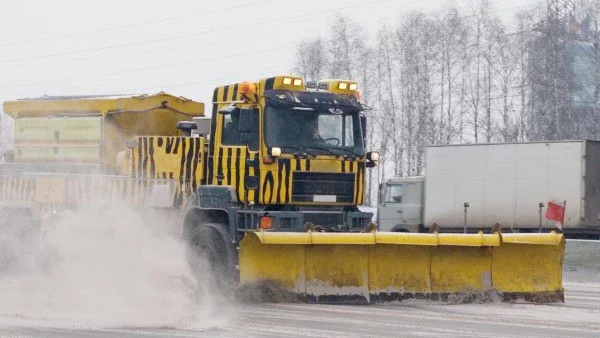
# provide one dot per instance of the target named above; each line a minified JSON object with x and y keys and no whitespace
{"x":582,"y":254}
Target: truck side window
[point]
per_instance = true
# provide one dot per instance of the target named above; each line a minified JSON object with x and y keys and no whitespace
{"x":242,"y":132}
{"x":393,"y":193}
{"x":249,"y":128}
{"x":231,"y":134}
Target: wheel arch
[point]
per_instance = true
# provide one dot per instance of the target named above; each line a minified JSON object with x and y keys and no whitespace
{"x":215,"y":218}
{"x":215,"y":205}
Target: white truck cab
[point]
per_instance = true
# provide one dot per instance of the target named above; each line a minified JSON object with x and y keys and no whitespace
{"x":401,"y":204}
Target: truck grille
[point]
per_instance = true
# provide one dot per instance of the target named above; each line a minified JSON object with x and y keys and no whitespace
{"x":308,"y":184}
{"x":324,"y":219}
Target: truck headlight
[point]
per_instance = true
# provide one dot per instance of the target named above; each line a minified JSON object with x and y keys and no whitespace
{"x":275,"y":151}
{"x":373,"y":156}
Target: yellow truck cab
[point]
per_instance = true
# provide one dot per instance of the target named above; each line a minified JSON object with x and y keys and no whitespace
{"x":282,"y":158}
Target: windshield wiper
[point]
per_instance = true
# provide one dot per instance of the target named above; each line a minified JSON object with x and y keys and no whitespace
{"x":303,"y":149}
{"x":348,"y":150}
{"x":327,"y":149}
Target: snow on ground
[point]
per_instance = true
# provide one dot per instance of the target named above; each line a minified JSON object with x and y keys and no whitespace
{"x":579,"y":316}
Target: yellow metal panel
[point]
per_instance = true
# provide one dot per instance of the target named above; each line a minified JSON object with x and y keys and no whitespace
{"x":521,"y":267}
{"x":360,"y":179}
{"x":551,"y":238}
{"x":335,"y":83}
{"x":238,"y":171}
{"x":276,"y":179}
{"x":34,"y":129}
{"x":408,"y":263}
{"x":178,"y":158}
{"x":455,"y":268}
{"x":85,"y":154}
{"x":218,"y":102}
{"x":399,"y":268}
{"x":67,"y":119}
{"x":153,"y":122}
{"x":281,"y":237}
{"x":283,"y":263}
{"x":479,"y":239}
{"x":343,"y":238}
{"x":438,"y":239}
{"x":337,"y":270}
{"x":61,"y":153}
{"x":87,"y":129}
{"x":278,"y":82}
{"x":108,"y":104}
{"x":406,"y":238}
{"x":316,"y":238}
{"x":332,"y":165}
{"x":114,"y":120}
{"x":33,"y":153}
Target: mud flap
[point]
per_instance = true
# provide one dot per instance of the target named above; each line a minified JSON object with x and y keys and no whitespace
{"x":378,"y":266}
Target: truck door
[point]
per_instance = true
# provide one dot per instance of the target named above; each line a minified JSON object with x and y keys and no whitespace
{"x":238,"y":140}
{"x":390,"y":206}
{"x":401,"y":205}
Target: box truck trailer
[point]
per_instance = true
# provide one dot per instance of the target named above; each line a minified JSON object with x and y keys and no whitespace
{"x":475,"y":187}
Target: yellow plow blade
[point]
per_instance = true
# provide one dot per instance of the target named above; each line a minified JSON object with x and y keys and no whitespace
{"x":380,"y":266}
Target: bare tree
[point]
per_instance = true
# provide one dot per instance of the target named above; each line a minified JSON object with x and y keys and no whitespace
{"x":522,"y":41}
{"x":342,"y":34}
{"x":507,"y":83}
{"x":452,"y":35}
{"x":311,"y":59}
{"x":462,"y":77}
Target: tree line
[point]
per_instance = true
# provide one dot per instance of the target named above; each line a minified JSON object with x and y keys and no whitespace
{"x":464,"y":76}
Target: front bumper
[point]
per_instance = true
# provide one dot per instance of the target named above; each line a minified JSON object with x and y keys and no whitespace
{"x":297,"y":221}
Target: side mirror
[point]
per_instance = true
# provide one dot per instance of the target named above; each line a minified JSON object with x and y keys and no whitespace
{"x":363,"y":125}
{"x":186,"y":127}
{"x":251,"y":183}
{"x":227,"y":109}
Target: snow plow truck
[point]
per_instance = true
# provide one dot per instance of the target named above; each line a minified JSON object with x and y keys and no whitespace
{"x":266,"y":190}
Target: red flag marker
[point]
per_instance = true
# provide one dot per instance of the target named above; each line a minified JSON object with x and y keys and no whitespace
{"x":556,"y":212}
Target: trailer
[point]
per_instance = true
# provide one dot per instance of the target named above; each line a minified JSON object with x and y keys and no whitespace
{"x":478,"y":186}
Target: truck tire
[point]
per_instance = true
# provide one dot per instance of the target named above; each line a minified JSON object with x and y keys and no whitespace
{"x":209,"y":254}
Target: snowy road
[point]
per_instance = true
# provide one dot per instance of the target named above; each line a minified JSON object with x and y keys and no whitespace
{"x":579,"y":316}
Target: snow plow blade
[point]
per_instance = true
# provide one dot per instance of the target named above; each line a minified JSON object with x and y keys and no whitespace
{"x":381,"y":266}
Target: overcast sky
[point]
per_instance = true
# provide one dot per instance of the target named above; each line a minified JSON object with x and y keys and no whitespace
{"x":183,"y":47}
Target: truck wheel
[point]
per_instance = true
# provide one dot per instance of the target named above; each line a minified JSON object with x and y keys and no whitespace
{"x":208,"y":254}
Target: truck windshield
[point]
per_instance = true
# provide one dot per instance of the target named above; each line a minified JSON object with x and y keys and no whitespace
{"x":393,"y":193}
{"x":331,"y":131}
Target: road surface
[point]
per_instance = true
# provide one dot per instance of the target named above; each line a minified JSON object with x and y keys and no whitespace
{"x":579,"y":316}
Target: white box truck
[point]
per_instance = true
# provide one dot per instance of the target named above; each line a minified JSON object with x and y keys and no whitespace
{"x":500,"y":183}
